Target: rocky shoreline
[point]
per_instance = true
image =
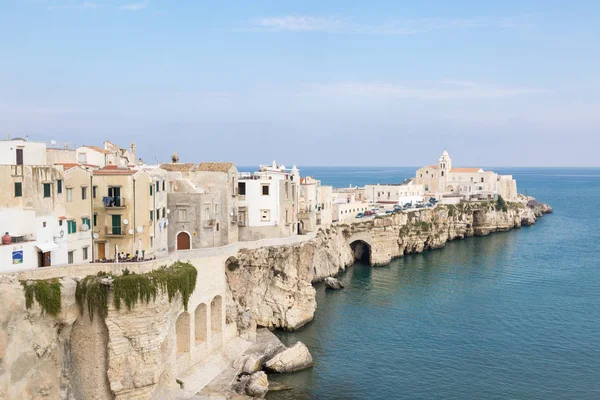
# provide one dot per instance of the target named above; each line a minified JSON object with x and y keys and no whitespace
{"x":273,"y":286}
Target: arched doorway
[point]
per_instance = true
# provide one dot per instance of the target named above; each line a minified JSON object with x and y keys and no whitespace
{"x":216,"y":315}
{"x":361,"y":251}
{"x":232,"y":263}
{"x":182,"y":333}
{"x":183,"y":241}
{"x":200,"y":323}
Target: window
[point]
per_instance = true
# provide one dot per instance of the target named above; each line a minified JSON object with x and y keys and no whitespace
{"x":265,"y":190}
{"x":182,"y":214}
{"x":157,"y":213}
{"x":71,"y":226}
{"x":19,"y":154}
{"x":83,"y":192}
{"x":95,"y":219}
{"x":157,"y":187}
{"x":44,"y":224}
{"x":287,"y":190}
{"x":47,"y":190}
{"x":152,"y":215}
{"x":59,"y":185}
{"x":69,"y":195}
{"x":18,"y":189}
{"x":151,"y":189}
{"x":151,"y":241}
{"x":286,"y":216}
{"x":84,"y":251}
{"x":94,"y":191}
{"x":481,"y":179}
{"x":163,"y":185}
{"x":442,"y":173}
{"x":85,"y":221}
{"x":265,"y":215}
{"x":71,"y":253}
{"x":60,"y":222}
{"x":242,"y":188}
{"x":217,"y":227}
{"x":164,"y":214}
{"x":82,"y":158}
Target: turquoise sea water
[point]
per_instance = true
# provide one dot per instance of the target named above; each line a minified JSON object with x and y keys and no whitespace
{"x":513,"y":315}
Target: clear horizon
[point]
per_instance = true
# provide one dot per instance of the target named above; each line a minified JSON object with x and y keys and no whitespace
{"x":511,"y":83}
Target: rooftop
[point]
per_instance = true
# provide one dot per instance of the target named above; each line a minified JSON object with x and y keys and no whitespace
{"x":98,"y":149}
{"x":215,"y":166}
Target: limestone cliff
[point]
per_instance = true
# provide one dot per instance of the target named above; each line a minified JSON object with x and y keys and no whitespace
{"x":273,"y":286}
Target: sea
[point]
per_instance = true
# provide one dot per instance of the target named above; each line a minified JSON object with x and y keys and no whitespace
{"x":514,"y":315}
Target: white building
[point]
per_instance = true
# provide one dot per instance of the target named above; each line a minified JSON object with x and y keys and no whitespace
{"x":32,"y":207}
{"x":405,"y":192}
{"x":110,"y":154}
{"x":19,"y":151}
{"x":347,"y":202}
{"x":445,"y":182}
{"x":315,"y":203}
{"x":268,"y":203}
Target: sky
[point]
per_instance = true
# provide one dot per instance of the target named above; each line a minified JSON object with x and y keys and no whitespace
{"x":324,"y":83}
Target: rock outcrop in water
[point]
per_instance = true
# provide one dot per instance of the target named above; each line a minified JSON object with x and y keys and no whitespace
{"x":274,"y":284}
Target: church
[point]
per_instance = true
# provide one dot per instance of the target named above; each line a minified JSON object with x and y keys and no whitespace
{"x":442,"y":180}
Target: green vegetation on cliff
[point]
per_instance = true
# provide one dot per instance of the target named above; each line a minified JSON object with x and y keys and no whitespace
{"x":45,"y":292}
{"x":131,"y":288}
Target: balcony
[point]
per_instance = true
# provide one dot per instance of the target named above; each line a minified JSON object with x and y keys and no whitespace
{"x":115,"y":231}
{"x":116,"y":202}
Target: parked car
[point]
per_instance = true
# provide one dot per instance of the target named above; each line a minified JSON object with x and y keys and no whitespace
{"x":420,"y":206}
{"x":369,"y":213}
{"x":359,"y":215}
{"x":389,"y":211}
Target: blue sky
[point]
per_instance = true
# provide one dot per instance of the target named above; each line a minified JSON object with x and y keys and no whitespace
{"x":309,"y":82}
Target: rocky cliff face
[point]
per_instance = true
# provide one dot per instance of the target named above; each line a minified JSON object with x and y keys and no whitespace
{"x":273,"y":286}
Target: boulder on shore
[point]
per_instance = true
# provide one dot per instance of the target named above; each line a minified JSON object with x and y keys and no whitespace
{"x":333,"y":283}
{"x":257,"y":385}
{"x":296,"y":358}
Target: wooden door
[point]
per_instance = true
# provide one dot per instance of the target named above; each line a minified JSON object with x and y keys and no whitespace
{"x":101,"y":251}
{"x":183,"y":241}
{"x":46,"y":259}
{"x":19,"y":156}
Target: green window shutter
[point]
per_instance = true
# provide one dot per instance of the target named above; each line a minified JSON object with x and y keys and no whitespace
{"x":59,"y":185}
{"x":18,"y":189}
{"x":47,"y":190}
{"x":151,"y":189}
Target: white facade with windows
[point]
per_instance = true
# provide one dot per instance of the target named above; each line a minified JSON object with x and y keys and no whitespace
{"x":268,"y":203}
{"x":406,"y":192}
{"x":19,"y":151}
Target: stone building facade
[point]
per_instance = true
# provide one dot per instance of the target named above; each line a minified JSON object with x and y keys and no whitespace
{"x":442,"y":180}
{"x":202,"y":201}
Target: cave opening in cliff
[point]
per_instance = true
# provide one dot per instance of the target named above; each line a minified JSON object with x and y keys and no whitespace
{"x":361,"y":251}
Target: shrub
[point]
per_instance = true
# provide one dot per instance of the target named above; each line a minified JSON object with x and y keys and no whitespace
{"x":46,"y":293}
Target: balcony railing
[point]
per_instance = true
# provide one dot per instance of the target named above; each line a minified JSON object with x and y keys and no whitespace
{"x":115,"y":230}
{"x":113,"y":201}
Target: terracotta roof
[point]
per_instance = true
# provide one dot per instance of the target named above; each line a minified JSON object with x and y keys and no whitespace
{"x":115,"y":170}
{"x":178,"y":167}
{"x":98,"y":149}
{"x":463,"y":170}
{"x":215,"y":166}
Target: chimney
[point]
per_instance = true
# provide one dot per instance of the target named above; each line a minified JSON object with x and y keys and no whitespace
{"x":132,"y":149}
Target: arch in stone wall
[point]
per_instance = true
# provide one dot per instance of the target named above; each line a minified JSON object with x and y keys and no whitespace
{"x":182,"y":333}
{"x":450,"y":188}
{"x":201,"y":323}
{"x":361,"y":250}
{"x":232,"y":263}
{"x":216,"y":315}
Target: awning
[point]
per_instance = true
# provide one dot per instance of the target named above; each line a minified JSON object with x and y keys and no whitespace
{"x":46,"y":247}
